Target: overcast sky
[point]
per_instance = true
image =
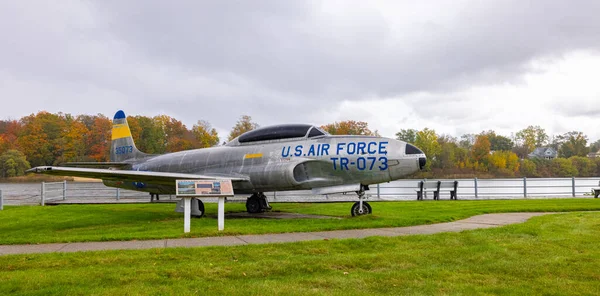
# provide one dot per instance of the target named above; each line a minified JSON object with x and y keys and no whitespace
{"x":453,"y":66}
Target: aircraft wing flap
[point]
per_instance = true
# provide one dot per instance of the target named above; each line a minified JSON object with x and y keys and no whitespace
{"x":132,"y":176}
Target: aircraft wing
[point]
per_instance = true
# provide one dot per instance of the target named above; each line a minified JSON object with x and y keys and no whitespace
{"x":132,"y":176}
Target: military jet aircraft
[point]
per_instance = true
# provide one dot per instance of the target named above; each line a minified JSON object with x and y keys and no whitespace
{"x":273,"y":158}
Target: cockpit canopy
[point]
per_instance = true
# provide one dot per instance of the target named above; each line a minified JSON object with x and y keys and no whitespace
{"x":278,"y":132}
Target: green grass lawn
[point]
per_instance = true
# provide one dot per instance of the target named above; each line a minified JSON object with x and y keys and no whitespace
{"x":552,"y":255}
{"x":76,"y":223}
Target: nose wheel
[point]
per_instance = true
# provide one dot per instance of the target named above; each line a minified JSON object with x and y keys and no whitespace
{"x":358,"y":210}
{"x":361,"y":207}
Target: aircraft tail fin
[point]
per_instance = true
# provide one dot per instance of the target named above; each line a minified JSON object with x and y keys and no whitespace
{"x":122,"y":147}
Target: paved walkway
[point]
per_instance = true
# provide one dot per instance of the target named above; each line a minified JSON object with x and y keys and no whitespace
{"x":476,"y":222}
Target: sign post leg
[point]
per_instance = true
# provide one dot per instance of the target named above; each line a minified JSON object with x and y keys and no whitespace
{"x":221,"y":213}
{"x":187,"y":211}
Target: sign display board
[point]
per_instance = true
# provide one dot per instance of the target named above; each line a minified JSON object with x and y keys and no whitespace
{"x":201,"y":188}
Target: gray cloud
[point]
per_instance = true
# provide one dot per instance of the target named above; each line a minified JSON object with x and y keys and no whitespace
{"x":279,"y":61}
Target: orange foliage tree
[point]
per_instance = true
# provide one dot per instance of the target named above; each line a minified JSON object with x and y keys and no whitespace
{"x":349,"y":127}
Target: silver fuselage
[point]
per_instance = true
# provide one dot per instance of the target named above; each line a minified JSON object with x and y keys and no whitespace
{"x":289,"y":164}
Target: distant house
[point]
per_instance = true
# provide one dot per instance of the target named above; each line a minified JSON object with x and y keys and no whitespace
{"x":593,"y":154}
{"x":544,"y":152}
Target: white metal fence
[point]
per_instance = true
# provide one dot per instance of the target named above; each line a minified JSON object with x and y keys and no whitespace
{"x":513,"y":188}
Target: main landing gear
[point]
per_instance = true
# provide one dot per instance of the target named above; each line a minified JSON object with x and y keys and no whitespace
{"x":257,"y":203}
{"x":361,"y":207}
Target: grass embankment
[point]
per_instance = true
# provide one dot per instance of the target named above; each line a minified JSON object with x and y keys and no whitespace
{"x":77,"y":223}
{"x":551,"y":255}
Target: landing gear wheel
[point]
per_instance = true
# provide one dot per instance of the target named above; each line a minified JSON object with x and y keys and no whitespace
{"x":253,"y":205}
{"x":356,"y":210}
{"x":200,"y":209}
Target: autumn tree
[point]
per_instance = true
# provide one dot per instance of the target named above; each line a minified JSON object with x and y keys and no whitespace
{"x":11,"y":130}
{"x":73,"y":146}
{"x":481,"y":148}
{"x":349,"y":127}
{"x":407,"y":135}
{"x":532,"y":137}
{"x":205,"y":134}
{"x":504,"y":162}
{"x":244,"y":124}
{"x":572,"y":144}
{"x":40,"y":138}
{"x":98,"y":139}
{"x":13,"y":163}
{"x":426,"y":140}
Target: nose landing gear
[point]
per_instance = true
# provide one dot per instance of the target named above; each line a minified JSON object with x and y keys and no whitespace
{"x":361,"y":207}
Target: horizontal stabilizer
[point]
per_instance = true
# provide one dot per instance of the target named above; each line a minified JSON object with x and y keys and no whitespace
{"x":97,"y":165}
{"x":159,"y":178}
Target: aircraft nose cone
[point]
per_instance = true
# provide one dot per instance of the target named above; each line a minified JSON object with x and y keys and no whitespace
{"x":422,"y":162}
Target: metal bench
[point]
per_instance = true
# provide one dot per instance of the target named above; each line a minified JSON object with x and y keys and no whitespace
{"x":436,"y":187}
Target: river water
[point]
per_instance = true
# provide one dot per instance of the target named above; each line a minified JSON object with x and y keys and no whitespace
{"x":30,"y":193}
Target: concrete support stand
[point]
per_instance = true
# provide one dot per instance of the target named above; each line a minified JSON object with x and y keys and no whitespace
{"x":221,"y":215}
{"x":573,"y":185}
{"x":64,"y":189}
{"x":1,"y":201}
{"x":476,"y":189}
{"x":118,"y":194}
{"x":187,"y":213}
{"x":524,"y":186}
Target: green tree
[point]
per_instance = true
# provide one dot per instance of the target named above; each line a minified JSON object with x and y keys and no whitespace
{"x":595,"y":147}
{"x":205,"y":134}
{"x":407,"y":135}
{"x":585,"y":166}
{"x":13,"y":163}
{"x":532,"y":137}
{"x":528,"y":168}
{"x":467,"y":141}
{"x":498,"y":142}
{"x":561,"y":167}
{"x":426,"y":140}
{"x":349,"y":127}
{"x":244,"y":124}
{"x":572,"y":144}
{"x":447,"y":156}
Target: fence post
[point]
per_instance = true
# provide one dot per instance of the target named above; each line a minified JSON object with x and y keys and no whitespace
{"x":378,"y":192}
{"x":573,"y":185}
{"x":64,"y":189}
{"x":43,"y":202}
{"x":118,"y":193}
{"x":476,"y":192}
{"x":274,"y":195}
{"x":524,"y":186}
{"x":1,"y":201}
